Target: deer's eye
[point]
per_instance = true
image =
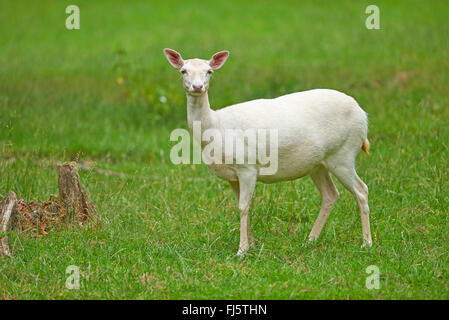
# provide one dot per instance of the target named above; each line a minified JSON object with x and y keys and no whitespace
{"x":183,"y":71}
{"x":209,"y":71}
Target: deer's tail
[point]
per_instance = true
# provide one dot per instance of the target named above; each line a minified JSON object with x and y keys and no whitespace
{"x":365,"y":146}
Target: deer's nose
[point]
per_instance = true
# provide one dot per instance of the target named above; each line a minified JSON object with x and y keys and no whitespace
{"x":197,"y":87}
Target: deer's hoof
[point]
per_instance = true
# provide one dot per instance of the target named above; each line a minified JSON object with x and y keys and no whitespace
{"x":311,"y":239}
{"x":242,"y":251}
{"x":367,"y":244}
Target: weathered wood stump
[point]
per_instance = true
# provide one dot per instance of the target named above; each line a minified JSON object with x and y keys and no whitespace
{"x":39,"y":218}
{"x":71,"y":192}
{"x":8,"y":212}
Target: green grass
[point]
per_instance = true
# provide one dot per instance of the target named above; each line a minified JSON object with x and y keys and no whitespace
{"x":171,"y":232}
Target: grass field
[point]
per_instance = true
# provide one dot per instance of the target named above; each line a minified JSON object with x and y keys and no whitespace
{"x":171,"y":231}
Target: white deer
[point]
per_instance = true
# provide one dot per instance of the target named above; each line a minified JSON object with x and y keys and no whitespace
{"x":319,"y":132}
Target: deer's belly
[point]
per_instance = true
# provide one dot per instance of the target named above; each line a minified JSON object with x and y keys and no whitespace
{"x":287,"y":166}
{"x":230,"y":172}
{"x":224,"y":171}
{"x":283,"y":175}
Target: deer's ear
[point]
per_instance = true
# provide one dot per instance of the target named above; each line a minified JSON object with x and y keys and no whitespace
{"x":174,"y":58}
{"x":218,"y":59}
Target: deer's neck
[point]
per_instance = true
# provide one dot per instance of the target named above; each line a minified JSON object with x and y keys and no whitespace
{"x":198,"y":109}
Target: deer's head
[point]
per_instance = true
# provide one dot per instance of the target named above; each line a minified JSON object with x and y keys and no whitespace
{"x":196,"y":73}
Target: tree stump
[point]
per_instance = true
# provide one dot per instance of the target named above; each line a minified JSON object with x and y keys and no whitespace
{"x":39,"y":218}
{"x":8,"y":212}
{"x":71,"y":192}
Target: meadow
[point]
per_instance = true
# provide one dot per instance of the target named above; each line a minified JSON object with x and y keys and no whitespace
{"x":105,"y":95}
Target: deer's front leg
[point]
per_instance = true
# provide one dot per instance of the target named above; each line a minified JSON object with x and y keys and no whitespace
{"x":236,"y":189}
{"x":247,"y":184}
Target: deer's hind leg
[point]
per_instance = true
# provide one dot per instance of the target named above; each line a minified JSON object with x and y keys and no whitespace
{"x":342,"y":165}
{"x":329,"y":195}
{"x":349,"y":178}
